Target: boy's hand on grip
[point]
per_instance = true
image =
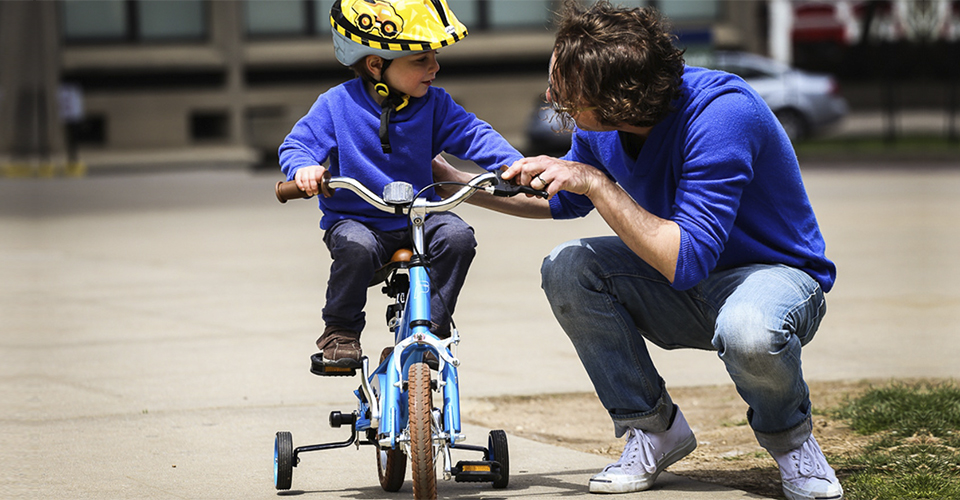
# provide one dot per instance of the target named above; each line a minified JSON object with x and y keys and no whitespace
{"x":310,"y":180}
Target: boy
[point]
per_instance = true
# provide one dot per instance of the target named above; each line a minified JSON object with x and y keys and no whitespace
{"x":387,"y":125}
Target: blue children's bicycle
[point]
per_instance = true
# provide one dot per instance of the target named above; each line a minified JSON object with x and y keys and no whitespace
{"x":395,"y":412}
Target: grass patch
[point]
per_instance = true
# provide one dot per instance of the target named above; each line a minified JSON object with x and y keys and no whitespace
{"x":903,"y":148}
{"x":872,"y":143}
{"x":915,"y":452}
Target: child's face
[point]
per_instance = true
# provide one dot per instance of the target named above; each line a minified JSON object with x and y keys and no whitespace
{"x":412,"y":74}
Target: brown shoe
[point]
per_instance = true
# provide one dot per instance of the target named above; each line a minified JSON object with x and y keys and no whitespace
{"x":340,"y":347}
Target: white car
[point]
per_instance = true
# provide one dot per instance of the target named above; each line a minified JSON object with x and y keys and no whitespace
{"x":805,"y":103}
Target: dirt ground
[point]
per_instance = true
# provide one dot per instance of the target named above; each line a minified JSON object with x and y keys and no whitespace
{"x":727,"y":451}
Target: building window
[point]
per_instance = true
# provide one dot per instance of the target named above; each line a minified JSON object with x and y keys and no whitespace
{"x":287,"y":18}
{"x":272,"y":17}
{"x":171,"y":20}
{"x":94,"y":20}
{"x":209,"y":126}
{"x":91,"y":131}
{"x":519,"y":13}
{"x":299,"y":18}
{"x":321,"y":13}
{"x":689,"y":10}
{"x":99,"y":21}
{"x":466,"y":11}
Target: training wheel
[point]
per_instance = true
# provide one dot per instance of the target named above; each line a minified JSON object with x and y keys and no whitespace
{"x":283,"y":460}
{"x":497,"y":444}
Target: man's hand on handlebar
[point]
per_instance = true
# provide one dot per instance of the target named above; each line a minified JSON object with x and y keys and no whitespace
{"x":554,"y":175}
{"x":308,"y":179}
{"x":509,"y":187}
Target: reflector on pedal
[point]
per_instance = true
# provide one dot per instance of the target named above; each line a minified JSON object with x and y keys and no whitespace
{"x":336,"y":369}
{"x":476,"y":468}
{"x":476,"y":471}
{"x":318,"y":367}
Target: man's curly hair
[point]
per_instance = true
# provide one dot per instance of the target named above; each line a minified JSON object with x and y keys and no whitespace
{"x":622,"y":61}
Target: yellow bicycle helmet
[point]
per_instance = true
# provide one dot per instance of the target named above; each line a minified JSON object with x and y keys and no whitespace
{"x":391,"y":28}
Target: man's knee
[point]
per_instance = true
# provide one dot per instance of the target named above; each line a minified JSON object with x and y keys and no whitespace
{"x":750,"y":337}
{"x":567,"y":264}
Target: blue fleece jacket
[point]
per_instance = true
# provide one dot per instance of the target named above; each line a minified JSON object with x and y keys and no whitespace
{"x":342,"y":126}
{"x":723,"y":169}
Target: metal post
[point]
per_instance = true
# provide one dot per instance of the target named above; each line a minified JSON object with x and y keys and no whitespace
{"x":781,"y":27}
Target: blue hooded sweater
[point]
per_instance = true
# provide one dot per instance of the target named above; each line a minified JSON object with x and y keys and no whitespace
{"x":342,"y":126}
{"x":723,"y":169}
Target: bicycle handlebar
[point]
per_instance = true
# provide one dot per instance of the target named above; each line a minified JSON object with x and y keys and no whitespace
{"x":490,"y":182}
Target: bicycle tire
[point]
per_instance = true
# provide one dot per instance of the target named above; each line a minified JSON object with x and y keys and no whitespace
{"x":283,"y":460}
{"x":391,"y":462}
{"x":499,"y":452}
{"x":420,"y":405}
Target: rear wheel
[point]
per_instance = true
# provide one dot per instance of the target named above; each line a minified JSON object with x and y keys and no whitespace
{"x":283,"y":460}
{"x":421,"y":432}
{"x":391,"y":467}
{"x":497,"y":444}
{"x":391,"y":462}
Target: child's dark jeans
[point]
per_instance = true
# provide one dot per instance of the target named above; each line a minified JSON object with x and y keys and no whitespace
{"x":358,"y":251}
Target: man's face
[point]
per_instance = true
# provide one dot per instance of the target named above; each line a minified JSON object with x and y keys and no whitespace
{"x":584,"y":116}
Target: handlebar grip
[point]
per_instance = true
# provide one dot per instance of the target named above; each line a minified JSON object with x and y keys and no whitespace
{"x":505,"y":187}
{"x":289,"y":191}
{"x":539,"y":193}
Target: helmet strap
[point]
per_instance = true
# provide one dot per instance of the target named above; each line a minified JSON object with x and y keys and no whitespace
{"x":392,"y":103}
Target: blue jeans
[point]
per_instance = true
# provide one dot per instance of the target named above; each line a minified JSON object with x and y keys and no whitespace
{"x":358,"y":251}
{"x":755,"y":317}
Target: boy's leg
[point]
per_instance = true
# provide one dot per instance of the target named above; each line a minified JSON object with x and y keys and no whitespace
{"x":451,"y":247}
{"x":356,"y":252}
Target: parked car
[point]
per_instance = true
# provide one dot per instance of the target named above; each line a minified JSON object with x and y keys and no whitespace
{"x":805,"y":103}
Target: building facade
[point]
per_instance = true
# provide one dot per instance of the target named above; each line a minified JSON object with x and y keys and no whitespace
{"x":114,"y":83}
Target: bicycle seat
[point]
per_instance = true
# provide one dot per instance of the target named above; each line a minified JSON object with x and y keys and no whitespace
{"x":400,"y":260}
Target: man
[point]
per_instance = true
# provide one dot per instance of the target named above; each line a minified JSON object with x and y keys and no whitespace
{"x":717,"y":245}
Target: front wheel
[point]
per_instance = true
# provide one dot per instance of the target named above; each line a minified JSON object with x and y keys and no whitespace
{"x":497,"y":444}
{"x":420,"y":404}
{"x":283,"y":460}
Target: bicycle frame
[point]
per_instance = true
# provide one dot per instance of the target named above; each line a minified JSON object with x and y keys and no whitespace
{"x":385,"y":403}
{"x":413,"y":340}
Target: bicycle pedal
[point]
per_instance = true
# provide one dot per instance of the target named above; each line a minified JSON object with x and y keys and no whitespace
{"x":320,"y":367}
{"x":476,"y":471}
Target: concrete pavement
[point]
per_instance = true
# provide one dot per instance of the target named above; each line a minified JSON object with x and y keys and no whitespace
{"x":155,"y":331}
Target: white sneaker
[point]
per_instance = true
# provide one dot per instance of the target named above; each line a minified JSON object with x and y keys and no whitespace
{"x":644,"y":457}
{"x":806,"y":475}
